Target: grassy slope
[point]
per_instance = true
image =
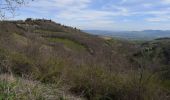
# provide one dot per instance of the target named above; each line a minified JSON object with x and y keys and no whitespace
{"x":68,"y":44}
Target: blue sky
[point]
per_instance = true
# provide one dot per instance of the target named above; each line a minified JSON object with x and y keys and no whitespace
{"x":102,"y":14}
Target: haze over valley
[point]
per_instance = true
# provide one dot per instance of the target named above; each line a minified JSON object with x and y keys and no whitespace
{"x":133,"y":35}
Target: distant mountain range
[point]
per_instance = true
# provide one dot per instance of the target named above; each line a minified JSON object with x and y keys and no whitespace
{"x":133,"y":35}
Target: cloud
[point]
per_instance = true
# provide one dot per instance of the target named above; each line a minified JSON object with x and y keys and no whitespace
{"x":166,"y":1}
{"x":159,"y":18}
{"x":61,"y":4}
{"x":95,"y":13}
{"x":117,"y":8}
{"x":156,"y":19}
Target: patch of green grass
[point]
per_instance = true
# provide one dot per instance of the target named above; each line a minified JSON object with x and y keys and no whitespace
{"x":20,"y":39}
{"x":166,"y":84}
{"x":20,"y":89}
{"x":46,"y":32}
{"x":68,"y":43}
{"x":7,"y":90}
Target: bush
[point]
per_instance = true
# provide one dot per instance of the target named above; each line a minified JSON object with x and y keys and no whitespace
{"x":95,"y":83}
{"x":21,"y":65}
{"x":52,"y":71}
{"x":4,"y":61}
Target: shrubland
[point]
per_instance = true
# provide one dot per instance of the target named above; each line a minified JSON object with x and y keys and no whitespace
{"x":50,"y":61}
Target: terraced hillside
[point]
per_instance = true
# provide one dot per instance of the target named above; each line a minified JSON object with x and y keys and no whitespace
{"x":83,"y":65}
{"x":68,"y":42}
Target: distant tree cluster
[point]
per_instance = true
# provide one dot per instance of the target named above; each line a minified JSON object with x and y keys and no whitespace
{"x":43,"y":20}
{"x":60,"y":26}
{"x":8,"y":7}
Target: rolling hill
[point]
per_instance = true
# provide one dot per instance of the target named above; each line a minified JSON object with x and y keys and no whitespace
{"x":67,"y":60}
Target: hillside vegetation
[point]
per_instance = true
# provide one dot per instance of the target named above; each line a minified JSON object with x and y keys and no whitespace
{"x":63,"y":63}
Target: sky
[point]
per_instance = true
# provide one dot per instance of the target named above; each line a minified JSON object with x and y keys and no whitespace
{"x":114,"y":15}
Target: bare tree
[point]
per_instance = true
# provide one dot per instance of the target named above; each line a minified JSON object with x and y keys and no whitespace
{"x":8,"y":7}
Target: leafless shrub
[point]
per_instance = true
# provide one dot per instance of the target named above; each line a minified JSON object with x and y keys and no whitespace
{"x":8,"y":7}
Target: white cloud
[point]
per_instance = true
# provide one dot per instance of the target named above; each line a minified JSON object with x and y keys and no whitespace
{"x":159,"y":18}
{"x":76,"y":10}
{"x":156,"y":19}
{"x":101,"y":13}
{"x":166,"y":1}
{"x":148,"y":5}
{"x":123,"y":1}
{"x":61,"y":4}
